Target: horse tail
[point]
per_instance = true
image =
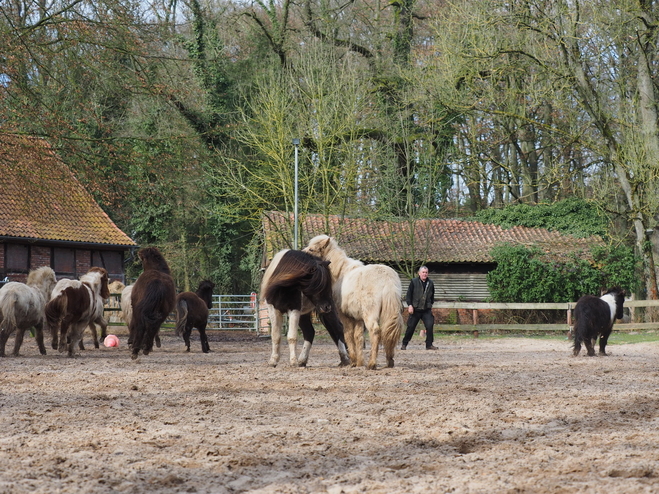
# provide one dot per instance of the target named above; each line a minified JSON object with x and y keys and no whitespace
{"x":391,"y":318}
{"x":181,"y":316}
{"x":155,"y":306}
{"x":8,"y":311}
{"x":55,"y":310}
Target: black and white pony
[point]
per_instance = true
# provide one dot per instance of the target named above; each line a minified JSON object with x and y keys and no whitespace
{"x":296,"y":283}
{"x":594,"y":316}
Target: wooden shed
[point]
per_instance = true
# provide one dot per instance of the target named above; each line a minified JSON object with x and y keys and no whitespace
{"x":47,"y":218}
{"x":457,"y":252}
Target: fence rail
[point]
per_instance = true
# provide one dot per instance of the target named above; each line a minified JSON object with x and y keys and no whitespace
{"x":566,"y":306}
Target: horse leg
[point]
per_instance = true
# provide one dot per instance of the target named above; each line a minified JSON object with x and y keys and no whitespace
{"x":38,"y":335}
{"x":4,"y":336}
{"x":186,"y":336}
{"x":53,"y":337}
{"x":205,"y":347}
{"x":375,"y":336}
{"x":157,"y":338}
{"x":308,"y":332}
{"x":64,"y":328}
{"x":590,"y":347}
{"x":603,"y":340}
{"x":355,"y":351}
{"x":334,"y":327}
{"x":276,"y":322}
{"x":293,"y":324}
{"x":18,"y":341}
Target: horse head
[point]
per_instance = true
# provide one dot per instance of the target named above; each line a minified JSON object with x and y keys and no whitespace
{"x":44,"y":279}
{"x":103,"y":280}
{"x":619,"y":295}
{"x":319,"y":287}
{"x":319,"y":246}
{"x":152,"y":259}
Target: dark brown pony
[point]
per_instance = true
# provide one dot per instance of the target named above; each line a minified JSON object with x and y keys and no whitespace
{"x":192,"y":312}
{"x":297,"y":283}
{"x":153,"y":299}
{"x":74,"y":305}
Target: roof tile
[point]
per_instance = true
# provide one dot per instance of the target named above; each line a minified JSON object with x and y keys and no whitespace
{"x":41,"y":199}
{"x":433,"y":240}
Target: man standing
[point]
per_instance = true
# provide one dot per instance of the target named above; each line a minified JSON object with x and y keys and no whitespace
{"x":420,"y":297}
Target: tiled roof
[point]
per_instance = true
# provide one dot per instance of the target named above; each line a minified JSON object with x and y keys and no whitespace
{"x":41,"y":199}
{"x":436,"y":240}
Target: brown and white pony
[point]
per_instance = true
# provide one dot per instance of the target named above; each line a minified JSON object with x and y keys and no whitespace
{"x":365,"y":295}
{"x":74,"y":305}
{"x":192,"y":312}
{"x":22,"y":306}
{"x":297,"y":283}
{"x":152,"y":298}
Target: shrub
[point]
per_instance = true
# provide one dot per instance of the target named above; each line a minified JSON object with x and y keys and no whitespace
{"x":529,"y":275}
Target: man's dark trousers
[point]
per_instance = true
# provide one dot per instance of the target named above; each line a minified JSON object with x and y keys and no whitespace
{"x":428,"y":319}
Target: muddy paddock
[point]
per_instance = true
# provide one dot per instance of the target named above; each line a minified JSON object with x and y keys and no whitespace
{"x":510,"y":415}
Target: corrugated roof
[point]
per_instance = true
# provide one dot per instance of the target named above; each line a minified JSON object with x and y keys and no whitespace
{"x":433,"y":240}
{"x":41,"y":199}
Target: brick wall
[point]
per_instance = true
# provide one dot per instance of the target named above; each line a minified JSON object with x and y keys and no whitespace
{"x":83,"y":261}
{"x":39,"y":256}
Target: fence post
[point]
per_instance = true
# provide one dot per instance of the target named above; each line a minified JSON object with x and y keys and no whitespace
{"x":474,"y":319}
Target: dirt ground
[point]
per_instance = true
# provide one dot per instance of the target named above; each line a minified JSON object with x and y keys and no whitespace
{"x":511,"y":415}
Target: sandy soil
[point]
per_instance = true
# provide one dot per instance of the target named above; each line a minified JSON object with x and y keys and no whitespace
{"x":479,"y":415}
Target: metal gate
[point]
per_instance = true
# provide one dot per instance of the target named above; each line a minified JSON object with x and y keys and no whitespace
{"x":234,"y":312}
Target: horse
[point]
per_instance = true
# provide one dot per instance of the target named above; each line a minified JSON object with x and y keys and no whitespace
{"x":74,"y":305}
{"x":296,"y":283}
{"x":192,"y":312}
{"x":152,"y":299}
{"x":365,"y":295}
{"x":594,"y":316}
{"x":22,"y":306}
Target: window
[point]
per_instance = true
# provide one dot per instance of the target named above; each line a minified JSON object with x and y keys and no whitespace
{"x":111,"y":261}
{"x":64,"y":262}
{"x":18,"y":258}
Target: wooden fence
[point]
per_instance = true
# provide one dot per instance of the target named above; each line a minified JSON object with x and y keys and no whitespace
{"x":475,"y":327}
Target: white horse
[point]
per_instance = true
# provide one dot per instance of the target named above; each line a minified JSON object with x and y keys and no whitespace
{"x":22,"y":306}
{"x":296,"y":283}
{"x":366,"y":295}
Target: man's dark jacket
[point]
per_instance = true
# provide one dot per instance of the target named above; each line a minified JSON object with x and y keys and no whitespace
{"x":416,"y":296}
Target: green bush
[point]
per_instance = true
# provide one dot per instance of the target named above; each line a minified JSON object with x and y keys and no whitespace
{"x":572,"y":216}
{"x":529,"y":275}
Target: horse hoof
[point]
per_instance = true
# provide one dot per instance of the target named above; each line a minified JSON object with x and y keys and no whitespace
{"x":302,"y":364}
{"x":372,"y":366}
{"x":133,"y":356}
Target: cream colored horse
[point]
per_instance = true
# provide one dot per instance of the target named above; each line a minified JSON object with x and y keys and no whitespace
{"x":366,"y":295}
{"x":22,"y":306}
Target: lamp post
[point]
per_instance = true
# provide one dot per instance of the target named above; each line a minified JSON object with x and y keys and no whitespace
{"x":296,"y":143}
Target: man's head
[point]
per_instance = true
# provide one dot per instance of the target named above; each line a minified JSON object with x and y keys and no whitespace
{"x":423,"y":273}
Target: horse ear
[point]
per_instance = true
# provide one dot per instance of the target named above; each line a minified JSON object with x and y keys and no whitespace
{"x":327,"y":242}
{"x":324,"y":263}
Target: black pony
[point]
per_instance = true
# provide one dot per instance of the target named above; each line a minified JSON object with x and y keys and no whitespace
{"x":153,"y":298}
{"x":594,"y":316}
{"x":192,"y":312}
{"x":297,"y":283}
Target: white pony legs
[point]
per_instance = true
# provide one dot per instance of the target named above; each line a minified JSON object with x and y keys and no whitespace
{"x":304,"y":354}
{"x":276,"y":322}
{"x":293,"y":324}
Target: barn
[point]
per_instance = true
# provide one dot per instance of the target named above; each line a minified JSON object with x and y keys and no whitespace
{"x":457,"y":252}
{"x":47,"y":218}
